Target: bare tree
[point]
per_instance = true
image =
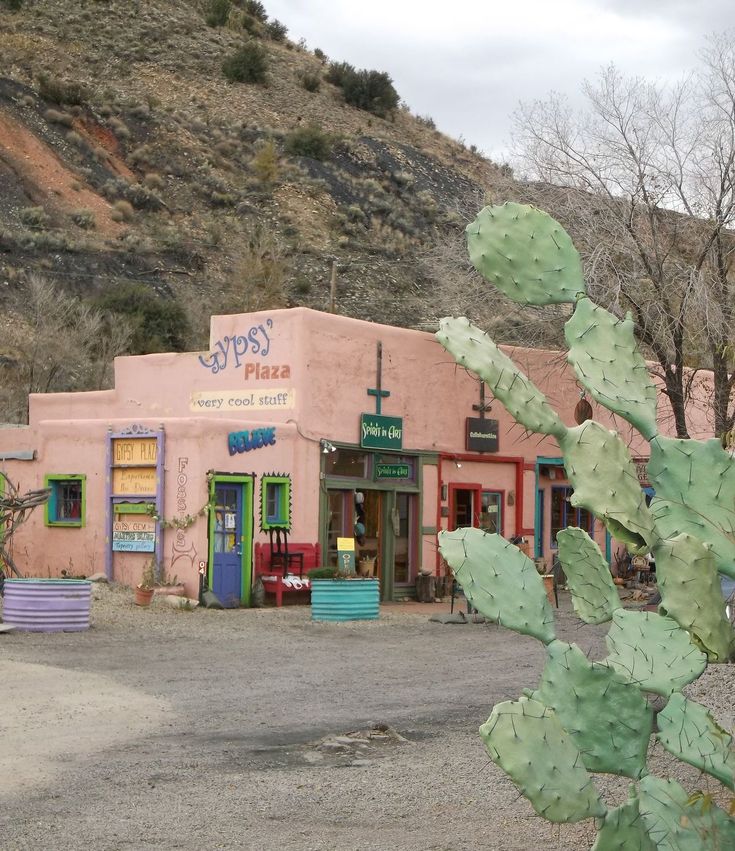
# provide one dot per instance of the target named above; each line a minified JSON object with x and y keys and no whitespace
{"x":643,"y":178}
{"x":61,"y":344}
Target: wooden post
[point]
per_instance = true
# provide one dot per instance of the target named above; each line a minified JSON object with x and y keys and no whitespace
{"x":333,"y":289}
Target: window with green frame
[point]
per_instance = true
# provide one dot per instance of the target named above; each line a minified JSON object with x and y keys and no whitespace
{"x":67,"y":503}
{"x":275,"y":506}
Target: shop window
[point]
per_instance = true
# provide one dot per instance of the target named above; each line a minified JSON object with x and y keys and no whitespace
{"x":491,"y":512}
{"x":66,"y":504}
{"x":347,"y":462}
{"x":275,"y":502}
{"x":564,"y":514}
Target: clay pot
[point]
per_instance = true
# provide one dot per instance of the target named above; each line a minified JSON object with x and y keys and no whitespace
{"x":143,"y":596}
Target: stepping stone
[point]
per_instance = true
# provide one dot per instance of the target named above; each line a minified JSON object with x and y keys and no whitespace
{"x":457,"y":617}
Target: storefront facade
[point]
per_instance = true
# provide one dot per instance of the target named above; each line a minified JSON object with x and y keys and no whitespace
{"x":295,"y":425}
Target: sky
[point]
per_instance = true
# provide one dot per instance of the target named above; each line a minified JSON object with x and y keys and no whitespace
{"x":467,"y":64}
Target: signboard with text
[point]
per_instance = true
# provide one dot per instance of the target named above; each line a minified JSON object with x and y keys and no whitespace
{"x":392,"y":471}
{"x":133,"y":534}
{"x":379,"y":432}
{"x":481,"y":435}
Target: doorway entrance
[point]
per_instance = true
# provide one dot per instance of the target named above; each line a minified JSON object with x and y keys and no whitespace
{"x":231,"y":539}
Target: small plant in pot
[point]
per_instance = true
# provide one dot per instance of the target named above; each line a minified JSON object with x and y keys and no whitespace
{"x":144,"y":589}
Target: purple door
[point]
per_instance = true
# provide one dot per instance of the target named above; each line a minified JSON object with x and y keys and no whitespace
{"x":227,"y":532}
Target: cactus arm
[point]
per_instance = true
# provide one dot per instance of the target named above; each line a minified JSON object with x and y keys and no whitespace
{"x":653,"y":652}
{"x":622,"y":828}
{"x":473,"y":349}
{"x":695,"y":493}
{"x":592,"y":702}
{"x":689,"y":732}
{"x":603,"y":352}
{"x":594,"y":595}
{"x":605,"y":482}
{"x":676,"y":821}
{"x":526,"y":254}
{"x":499,"y":580}
{"x":528,"y":742}
{"x":691,"y":595}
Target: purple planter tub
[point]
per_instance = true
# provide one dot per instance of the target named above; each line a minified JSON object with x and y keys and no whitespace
{"x":47,"y":605}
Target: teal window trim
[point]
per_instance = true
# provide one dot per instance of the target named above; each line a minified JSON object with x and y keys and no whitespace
{"x":54,"y":481}
{"x":282,"y":518}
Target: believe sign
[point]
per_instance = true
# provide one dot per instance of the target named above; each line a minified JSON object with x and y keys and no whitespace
{"x":379,"y":432}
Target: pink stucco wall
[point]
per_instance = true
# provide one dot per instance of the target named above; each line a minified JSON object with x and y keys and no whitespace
{"x":329,"y":362}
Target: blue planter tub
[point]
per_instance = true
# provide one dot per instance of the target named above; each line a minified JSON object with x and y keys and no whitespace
{"x":345,"y":599}
{"x":47,"y":605}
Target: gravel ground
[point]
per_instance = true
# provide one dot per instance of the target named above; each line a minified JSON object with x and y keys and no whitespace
{"x":258,"y":729}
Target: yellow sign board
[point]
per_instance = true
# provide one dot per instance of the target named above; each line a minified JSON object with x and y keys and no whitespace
{"x":346,"y":544}
{"x":262,"y":399}
{"x":134,"y":481}
{"x":134,"y":450}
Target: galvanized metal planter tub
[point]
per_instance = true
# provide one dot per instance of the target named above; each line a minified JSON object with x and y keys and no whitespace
{"x":345,"y":599}
{"x":47,"y":605}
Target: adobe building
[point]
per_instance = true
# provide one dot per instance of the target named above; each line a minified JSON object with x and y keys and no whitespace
{"x":298,"y":423}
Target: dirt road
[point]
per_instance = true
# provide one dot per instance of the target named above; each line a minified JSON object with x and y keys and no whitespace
{"x":227,"y":730}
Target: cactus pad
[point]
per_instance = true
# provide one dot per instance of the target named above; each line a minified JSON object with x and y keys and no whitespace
{"x":499,"y":580}
{"x":623,"y":830}
{"x":527,"y":740}
{"x":691,"y":595}
{"x":526,"y":254}
{"x":677,"y":822}
{"x":603,"y":352}
{"x":605,"y":482}
{"x":695,"y":493}
{"x":688,"y":731}
{"x":592,"y":702}
{"x":474,"y":350}
{"x":594,"y":595}
{"x":653,"y":652}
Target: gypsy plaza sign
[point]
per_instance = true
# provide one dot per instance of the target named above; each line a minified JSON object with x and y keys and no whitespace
{"x":379,"y":432}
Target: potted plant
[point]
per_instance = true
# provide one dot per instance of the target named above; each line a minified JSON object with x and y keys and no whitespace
{"x":144,"y":589}
{"x":340,"y":596}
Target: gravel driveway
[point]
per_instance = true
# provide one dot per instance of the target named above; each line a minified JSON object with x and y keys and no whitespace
{"x":257,"y":729}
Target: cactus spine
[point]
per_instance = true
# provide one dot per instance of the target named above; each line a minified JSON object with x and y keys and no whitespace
{"x":588,"y":716}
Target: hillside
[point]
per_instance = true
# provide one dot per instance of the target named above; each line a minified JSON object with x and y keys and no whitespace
{"x":126,"y":155}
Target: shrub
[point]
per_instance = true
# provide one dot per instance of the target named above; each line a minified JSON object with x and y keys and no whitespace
{"x":427,"y":121}
{"x":34,"y":217}
{"x":275,"y":30}
{"x":256,"y":10}
{"x":320,"y":54}
{"x":217,"y":12}
{"x":310,"y":141}
{"x":338,"y":72}
{"x":160,"y":323}
{"x":265,"y":162}
{"x":372,"y":91}
{"x":124,"y":210}
{"x":248,"y":64}
{"x":13,"y":5}
{"x":311,"y":82}
{"x":53,"y":116}
{"x":61,"y":91}
{"x":153,"y":180}
{"x":83,"y":218}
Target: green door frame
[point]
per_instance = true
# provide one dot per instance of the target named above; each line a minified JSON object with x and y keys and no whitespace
{"x":246,"y":524}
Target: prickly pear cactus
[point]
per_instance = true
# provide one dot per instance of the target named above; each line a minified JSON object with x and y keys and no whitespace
{"x":591,"y":716}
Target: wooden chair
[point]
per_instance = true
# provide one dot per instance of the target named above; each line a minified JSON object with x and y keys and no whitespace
{"x":280,"y":556}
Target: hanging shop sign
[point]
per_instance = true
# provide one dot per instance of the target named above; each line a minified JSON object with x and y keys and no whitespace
{"x":133,"y":534}
{"x":134,"y":481}
{"x":392,"y":471}
{"x":379,"y":432}
{"x":481,"y":435}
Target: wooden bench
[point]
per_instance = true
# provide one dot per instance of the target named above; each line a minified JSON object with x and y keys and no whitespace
{"x":306,"y":556}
